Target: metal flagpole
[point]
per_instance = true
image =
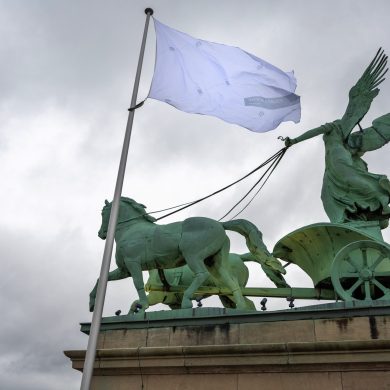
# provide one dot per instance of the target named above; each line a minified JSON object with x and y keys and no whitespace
{"x":101,"y":290}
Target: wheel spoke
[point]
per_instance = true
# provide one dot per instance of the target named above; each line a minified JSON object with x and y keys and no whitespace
{"x":367,"y":291}
{"x":352,"y":262}
{"x":349,"y":275}
{"x":380,"y":258}
{"x":354,"y":286}
{"x":364,"y":255}
{"x":379,"y":274}
{"x":381,"y":286}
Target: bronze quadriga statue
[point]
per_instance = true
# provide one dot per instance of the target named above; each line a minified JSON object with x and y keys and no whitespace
{"x":346,"y":258}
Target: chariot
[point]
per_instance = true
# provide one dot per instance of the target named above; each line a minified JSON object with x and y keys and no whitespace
{"x":346,"y":261}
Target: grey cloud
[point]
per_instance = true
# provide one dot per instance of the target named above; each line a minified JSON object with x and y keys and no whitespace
{"x":66,"y":74}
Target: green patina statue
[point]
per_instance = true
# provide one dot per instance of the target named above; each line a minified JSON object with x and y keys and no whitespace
{"x":349,"y":191}
{"x":346,"y":258}
{"x":199,"y":242}
{"x":183,"y":276}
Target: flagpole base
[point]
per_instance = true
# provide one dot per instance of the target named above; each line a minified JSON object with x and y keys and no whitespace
{"x":149,"y":11}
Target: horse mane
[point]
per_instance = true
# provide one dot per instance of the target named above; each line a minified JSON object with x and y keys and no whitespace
{"x":139,"y":207}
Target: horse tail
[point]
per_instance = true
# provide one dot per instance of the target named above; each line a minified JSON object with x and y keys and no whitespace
{"x":247,"y":257}
{"x":274,"y":275}
{"x":253,"y":236}
{"x":254,"y":242}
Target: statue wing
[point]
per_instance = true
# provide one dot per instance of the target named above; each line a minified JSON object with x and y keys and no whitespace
{"x":373,"y":137}
{"x":364,"y":91}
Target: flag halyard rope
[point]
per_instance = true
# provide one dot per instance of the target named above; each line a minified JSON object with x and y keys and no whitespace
{"x":138,"y":105}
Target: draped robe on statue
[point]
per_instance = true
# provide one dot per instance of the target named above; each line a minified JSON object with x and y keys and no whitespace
{"x":349,"y":191}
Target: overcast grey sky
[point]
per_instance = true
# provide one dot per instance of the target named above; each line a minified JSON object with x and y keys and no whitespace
{"x":66,"y":74}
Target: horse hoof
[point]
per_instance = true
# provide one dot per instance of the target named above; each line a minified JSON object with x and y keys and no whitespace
{"x":138,"y":308}
{"x":134,"y":307}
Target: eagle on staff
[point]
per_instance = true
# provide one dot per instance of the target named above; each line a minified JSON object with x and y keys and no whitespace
{"x":349,"y":191}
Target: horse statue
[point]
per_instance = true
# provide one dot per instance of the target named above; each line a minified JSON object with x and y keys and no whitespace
{"x":199,"y":242}
{"x":182,"y":276}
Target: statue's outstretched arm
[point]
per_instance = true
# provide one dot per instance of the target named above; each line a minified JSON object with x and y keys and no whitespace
{"x":308,"y":134}
{"x":363,"y":92}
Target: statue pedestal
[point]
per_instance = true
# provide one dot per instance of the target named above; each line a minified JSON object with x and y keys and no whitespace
{"x":335,"y":346}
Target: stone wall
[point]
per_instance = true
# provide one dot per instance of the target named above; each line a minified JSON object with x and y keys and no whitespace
{"x":340,"y":353}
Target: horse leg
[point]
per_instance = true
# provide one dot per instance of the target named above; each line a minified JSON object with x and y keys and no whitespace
{"x":201,"y":274}
{"x":154,"y":298}
{"x":220,"y":272}
{"x":116,"y":274}
{"x":231,"y":283}
{"x":227,"y":302}
{"x":134,"y":267}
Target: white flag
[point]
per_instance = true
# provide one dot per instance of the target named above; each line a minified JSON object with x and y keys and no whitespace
{"x":209,"y":78}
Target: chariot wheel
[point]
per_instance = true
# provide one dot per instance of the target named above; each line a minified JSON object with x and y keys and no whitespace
{"x":361,"y":271}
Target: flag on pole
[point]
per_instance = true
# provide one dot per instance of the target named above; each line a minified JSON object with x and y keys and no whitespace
{"x":202,"y":77}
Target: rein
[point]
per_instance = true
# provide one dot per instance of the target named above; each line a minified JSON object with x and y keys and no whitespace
{"x":276,"y":156}
{"x":274,"y":160}
{"x":131,"y":219}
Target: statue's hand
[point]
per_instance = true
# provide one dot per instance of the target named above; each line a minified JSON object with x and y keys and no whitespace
{"x":288,"y":142}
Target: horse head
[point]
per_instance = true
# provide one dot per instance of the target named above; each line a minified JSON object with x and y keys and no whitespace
{"x":106,"y":211}
{"x":129,"y":210}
